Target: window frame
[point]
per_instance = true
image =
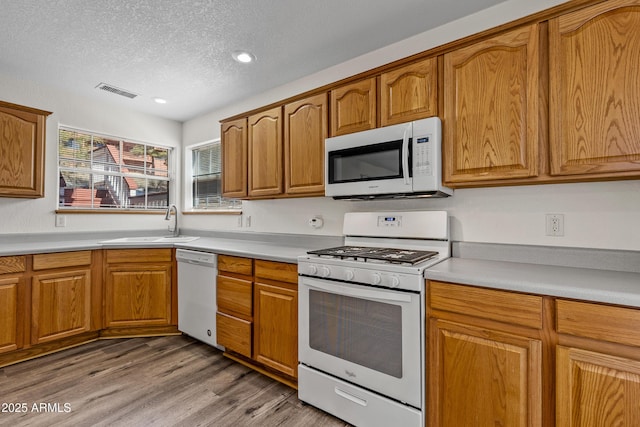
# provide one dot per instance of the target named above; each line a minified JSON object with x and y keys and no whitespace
{"x":187,"y":176}
{"x":91,"y":172}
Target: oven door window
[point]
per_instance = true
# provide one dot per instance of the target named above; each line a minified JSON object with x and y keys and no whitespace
{"x":365,"y":332}
{"x":366,"y":163}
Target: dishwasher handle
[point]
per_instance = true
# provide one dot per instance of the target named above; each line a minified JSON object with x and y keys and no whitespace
{"x":196,"y":258}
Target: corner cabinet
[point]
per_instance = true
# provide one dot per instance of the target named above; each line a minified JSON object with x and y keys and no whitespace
{"x":12,"y":296}
{"x":265,"y":153}
{"x":305,"y":129}
{"x":234,"y":158}
{"x":140,"y":293}
{"x":409,"y":92}
{"x":595,"y":91}
{"x":22,"y":151}
{"x":492,"y":109}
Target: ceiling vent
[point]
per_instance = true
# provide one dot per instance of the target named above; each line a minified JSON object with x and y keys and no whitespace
{"x":117,"y":91}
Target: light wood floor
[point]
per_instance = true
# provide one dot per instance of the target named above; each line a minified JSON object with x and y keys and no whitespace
{"x":163,"y":381}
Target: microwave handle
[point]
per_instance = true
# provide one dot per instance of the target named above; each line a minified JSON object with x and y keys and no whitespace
{"x":405,"y":155}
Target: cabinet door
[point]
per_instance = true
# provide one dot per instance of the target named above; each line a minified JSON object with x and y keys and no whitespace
{"x":595,"y":389}
{"x":409,"y":93}
{"x":11,"y":320}
{"x":305,"y":129}
{"x":22,"y":143}
{"x":265,"y":153}
{"x":60,"y":305}
{"x":595,"y":90}
{"x":481,"y":377}
{"x":276,"y":327}
{"x":491,"y":109}
{"x":138,"y":295}
{"x":353,"y":107}
{"x":234,"y":158}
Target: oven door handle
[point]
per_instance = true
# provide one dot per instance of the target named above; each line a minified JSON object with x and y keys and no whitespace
{"x":405,"y":155}
{"x":367,"y":293}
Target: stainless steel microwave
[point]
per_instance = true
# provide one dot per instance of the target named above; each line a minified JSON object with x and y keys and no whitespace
{"x":396,"y":161}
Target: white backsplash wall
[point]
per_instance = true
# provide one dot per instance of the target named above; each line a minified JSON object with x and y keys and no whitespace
{"x":602,"y":215}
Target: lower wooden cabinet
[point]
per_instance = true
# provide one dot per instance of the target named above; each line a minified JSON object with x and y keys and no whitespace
{"x":61,"y":295}
{"x":276,"y":316}
{"x":257,"y":314}
{"x":505,"y":358}
{"x":597,"y":365}
{"x":10,"y":315}
{"x":484,"y":370}
{"x":138,"y":288}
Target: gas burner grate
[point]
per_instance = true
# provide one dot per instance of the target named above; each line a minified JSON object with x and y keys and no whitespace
{"x":391,"y":255}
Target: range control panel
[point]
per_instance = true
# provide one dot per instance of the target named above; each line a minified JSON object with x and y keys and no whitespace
{"x":389,"y":221}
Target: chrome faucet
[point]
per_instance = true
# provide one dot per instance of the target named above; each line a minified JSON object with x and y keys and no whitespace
{"x":167,"y":217}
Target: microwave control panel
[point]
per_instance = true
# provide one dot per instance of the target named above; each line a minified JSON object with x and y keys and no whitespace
{"x":422,"y":152}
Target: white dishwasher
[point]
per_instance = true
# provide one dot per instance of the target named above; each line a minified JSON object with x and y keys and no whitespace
{"x":197,"y":273}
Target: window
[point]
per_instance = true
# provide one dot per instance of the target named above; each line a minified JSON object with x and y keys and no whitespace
{"x":206,"y":178}
{"x":102,"y":172}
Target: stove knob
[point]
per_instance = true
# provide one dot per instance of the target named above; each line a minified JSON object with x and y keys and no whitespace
{"x":349,"y":274}
{"x":313,"y":269}
{"x":376,"y":278}
{"x":395,"y":281}
{"x":325,"y":272}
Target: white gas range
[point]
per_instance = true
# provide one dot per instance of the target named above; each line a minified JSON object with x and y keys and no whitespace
{"x":361,"y":317}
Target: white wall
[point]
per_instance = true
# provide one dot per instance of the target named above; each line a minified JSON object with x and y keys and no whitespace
{"x":38,"y":215}
{"x":598,"y":215}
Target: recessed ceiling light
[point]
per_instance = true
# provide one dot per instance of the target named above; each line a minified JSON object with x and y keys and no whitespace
{"x":244,"y":57}
{"x":160,"y":100}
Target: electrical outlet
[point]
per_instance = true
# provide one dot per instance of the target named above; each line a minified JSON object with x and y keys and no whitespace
{"x":61,"y":221}
{"x":555,"y":225}
{"x":247,"y":221}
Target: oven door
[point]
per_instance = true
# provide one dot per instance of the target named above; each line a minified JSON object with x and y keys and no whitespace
{"x":372,"y":162}
{"x":371,"y":337}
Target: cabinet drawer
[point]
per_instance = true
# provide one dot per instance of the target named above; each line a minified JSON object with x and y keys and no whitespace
{"x":598,"y":321}
{"x":62,"y":259}
{"x":280,"y":271}
{"x":234,"y":264}
{"x":12,"y":264}
{"x":234,"y":334}
{"x":518,"y":309}
{"x":115,"y":256}
{"x":235,"y":296}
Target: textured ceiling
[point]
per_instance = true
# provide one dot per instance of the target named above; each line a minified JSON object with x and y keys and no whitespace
{"x":180,"y":50}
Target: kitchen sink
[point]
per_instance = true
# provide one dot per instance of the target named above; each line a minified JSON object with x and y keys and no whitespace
{"x":148,"y":239}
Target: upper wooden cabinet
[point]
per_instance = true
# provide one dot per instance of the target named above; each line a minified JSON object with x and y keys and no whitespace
{"x":409,"y":93}
{"x":595,"y":90}
{"x":491,"y":126}
{"x":305,"y":129}
{"x":22,"y":148}
{"x":353,"y":107}
{"x":234,"y":158}
{"x":265,"y":153}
